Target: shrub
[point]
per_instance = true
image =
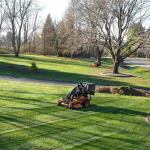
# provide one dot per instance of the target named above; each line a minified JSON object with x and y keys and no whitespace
{"x":33,"y":67}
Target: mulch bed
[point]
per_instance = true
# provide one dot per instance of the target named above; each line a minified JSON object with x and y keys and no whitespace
{"x":22,"y":69}
{"x":137,"y":92}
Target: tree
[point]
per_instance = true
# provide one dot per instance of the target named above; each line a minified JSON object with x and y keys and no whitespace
{"x":68,"y":33}
{"x":81,"y":32}
{"x":48,"y":35}
{"x":61,"y":31}
{"x":2,"y":16}
{"x":144,"y":51}
{"x":37,"y":40}
{"x":56,"y":44}
{"x":9,"y":39}
{"x":134,"y":32}
{"x":16,"y":11}
{"x":30,"y":26}
{"x":111,"y":20}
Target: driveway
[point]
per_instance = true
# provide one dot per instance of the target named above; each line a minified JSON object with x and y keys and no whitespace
{"x":138,"y":62}
{"x":133,"y":61}
{"x":30,"y":80}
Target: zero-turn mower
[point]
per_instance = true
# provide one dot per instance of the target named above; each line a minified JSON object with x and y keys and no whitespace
{"x":79,"y":97}
{"x":96,"y":64}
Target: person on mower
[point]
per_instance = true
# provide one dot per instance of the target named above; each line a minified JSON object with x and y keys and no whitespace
{"x":96,"y":63}
{"x":74,"y":93}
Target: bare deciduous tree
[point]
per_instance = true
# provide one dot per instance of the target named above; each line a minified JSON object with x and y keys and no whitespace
{"x":68,"y":33}
{"x":16,"y":11}
{"x":107,"y":22}
{"x":2,"y":15}
{"x":31,"y":25}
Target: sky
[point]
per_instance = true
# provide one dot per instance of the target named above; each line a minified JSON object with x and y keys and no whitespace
{"x":55,"y":8}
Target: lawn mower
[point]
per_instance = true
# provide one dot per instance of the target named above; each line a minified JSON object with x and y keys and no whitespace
{"x":96,"y":64}
{"x":79,"y":97}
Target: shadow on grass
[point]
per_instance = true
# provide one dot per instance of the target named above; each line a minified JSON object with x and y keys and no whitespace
{"x":112,"y":110}
{"x":58,"y":60}
{"x":61,"y":76}
{"x":51,"y":60}
{"x":60,"y":130}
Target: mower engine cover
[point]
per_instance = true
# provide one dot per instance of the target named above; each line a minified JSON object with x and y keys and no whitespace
{"x":90,"y":87}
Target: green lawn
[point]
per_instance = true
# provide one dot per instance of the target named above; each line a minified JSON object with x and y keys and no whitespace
{"x":30,"y":119}
{"x":79,"y":70}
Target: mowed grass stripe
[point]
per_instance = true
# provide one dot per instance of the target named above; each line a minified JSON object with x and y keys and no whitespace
{"x":86,"y":134}
{"x":78,"y":143}
{"x":42,"y":120}
{"x":55,"y":117}
{"x":10,"y":110}
{"x":29,"y":113}
{"x":115,"y":102}
{"x":144,"y":146}
{"x":25,"y":102}
{"x":5,"y":110}
{"x":21,"y":136}
{"x":30,"y":105}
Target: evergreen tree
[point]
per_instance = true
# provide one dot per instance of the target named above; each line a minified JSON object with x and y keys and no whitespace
{"x":48,"y":36}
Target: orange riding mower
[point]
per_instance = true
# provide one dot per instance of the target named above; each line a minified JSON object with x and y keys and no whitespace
{"x":79,"y":97}
{"x":96,"y":64}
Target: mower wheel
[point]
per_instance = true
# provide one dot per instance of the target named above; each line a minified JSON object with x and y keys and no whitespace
{"x":70,"y":107}
{"x":86,"y":103}
{"x":58,"y":103}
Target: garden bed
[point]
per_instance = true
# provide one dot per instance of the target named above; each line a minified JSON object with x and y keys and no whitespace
{"x":22,"y":69}
{"x":123,"y":90}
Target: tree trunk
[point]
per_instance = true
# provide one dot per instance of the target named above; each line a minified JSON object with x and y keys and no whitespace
{"x":89,"y":51}
{"x":115,"y":67}
{"x":71,"y":55}
{"x":16,"y":54}
{"x":29,"y":47}
{"x":99,"y":54}
{"x":92,"y":51}
{"x":14,"y":41}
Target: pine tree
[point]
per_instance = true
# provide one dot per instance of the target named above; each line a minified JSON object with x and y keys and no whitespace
{"x":48,"y":36}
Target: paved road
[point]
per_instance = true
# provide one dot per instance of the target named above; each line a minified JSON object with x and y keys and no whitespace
{"x":138,"y":62}
{"x":132,"y":61}
{"x":29,"y":80}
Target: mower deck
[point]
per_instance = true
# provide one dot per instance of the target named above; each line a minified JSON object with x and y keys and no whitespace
{"x":75,"y":103}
